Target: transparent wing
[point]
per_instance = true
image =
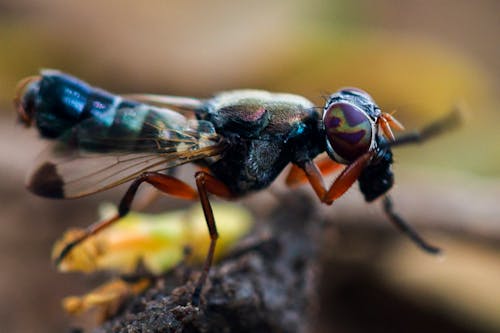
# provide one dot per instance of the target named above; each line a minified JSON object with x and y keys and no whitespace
{"x":142,"y":128}
{"x":95,"y":156}
{"x":183,"y":103}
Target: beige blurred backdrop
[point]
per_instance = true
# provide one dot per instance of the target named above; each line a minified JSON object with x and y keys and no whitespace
{"x":416,"y":57}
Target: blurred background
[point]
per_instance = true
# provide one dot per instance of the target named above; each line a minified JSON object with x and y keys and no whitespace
{"x":415,"y":57}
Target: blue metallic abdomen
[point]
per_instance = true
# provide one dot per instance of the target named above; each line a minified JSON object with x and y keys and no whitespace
{"x":62,"y":101}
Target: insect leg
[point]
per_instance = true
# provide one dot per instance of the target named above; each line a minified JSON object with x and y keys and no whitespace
{"x":341,"y":184}
{"x":297,"y":176}
{"x":406,"y":228}
{"x":164,"y":183}
{"x":207,"y":183}
{"x":346,"y":178}
{"x":149,"y":195}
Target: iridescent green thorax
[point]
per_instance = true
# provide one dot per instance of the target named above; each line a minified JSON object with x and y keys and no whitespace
{"x":349,"y":131}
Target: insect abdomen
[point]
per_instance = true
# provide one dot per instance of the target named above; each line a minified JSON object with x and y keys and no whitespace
{"x":57,"y":102}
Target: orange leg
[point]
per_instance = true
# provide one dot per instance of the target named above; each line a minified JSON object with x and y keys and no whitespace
{"x":163,"y":183}
{"x":345,"y":180}
{"x":296,"y":176}
{"x":341,"y":184}
{"x":150,"y":194}
{"x":205,"y":183}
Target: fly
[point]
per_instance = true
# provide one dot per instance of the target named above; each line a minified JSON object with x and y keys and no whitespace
{"x":242,"y":140}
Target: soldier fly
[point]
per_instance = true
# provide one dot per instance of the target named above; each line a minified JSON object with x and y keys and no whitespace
{"x":241,"y":140}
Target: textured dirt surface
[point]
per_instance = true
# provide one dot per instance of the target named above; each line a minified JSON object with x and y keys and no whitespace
{"x":264,"y":286}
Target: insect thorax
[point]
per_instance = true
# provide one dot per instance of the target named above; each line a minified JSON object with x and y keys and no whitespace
{"x":264,"y":132}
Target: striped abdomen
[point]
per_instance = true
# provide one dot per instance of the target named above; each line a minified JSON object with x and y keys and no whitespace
{"x":65,"y":108}
{"x":56,"y":102}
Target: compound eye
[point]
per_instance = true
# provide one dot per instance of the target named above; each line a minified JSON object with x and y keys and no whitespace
{"x":357,"y":92}
{"x":349,"y":132}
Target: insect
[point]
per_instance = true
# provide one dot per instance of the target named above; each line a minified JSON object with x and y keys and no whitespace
{"x":241,"y":140}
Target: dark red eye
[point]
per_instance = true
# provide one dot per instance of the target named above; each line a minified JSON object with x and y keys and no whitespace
{"x":349,"y":131}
